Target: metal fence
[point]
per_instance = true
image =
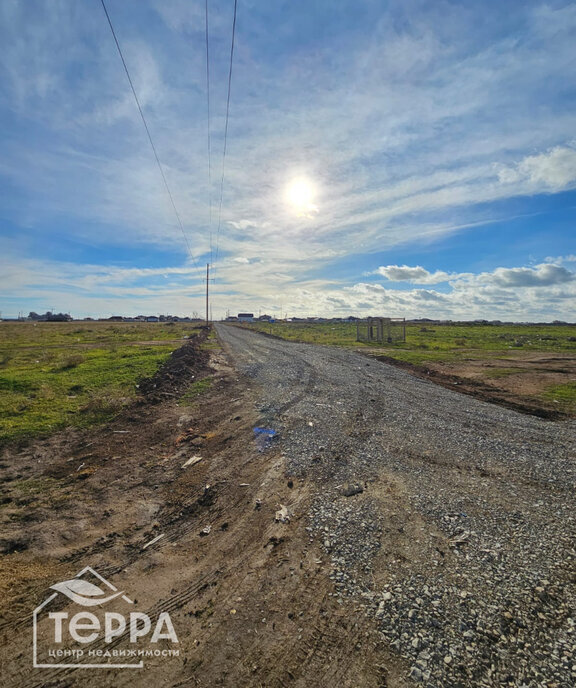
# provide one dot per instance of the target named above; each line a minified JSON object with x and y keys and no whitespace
{"x":382,"y":330}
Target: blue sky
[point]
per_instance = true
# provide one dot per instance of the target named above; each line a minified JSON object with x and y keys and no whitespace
{"x":384,"y":158}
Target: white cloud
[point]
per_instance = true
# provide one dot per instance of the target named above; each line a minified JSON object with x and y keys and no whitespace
{"x":546,"y":292}
{"x":390,"y":113}
{"x":543,"y":275}
{"x":554,"y":170}
{"x":558,"y":260}
{"x":416,"y":275}
{"x":466,"y":302}
{"x":247,"y":224}
{"x":399,"y":127}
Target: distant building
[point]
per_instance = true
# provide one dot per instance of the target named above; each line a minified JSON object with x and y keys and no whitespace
{"x":152,"y":318}
{"x":246,"y":317}
{"x":58,"y":317}
{"x":48,"y":317}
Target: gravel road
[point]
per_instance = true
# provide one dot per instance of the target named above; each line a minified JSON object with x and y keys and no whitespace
{"x":450,"y":519}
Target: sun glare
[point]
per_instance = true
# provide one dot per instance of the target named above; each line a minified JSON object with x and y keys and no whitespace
{"x":301,"y":194}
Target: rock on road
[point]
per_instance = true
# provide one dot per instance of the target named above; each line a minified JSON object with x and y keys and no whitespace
{"x":452,"y":520}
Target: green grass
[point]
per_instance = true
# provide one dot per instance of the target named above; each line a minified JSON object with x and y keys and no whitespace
{"x":211,"y":343}
{"x":436,"y":342}
{"x":33,"y":486}
{"x":338,"y":334}
{"x":195,"y":390}
{"x":564,"y":395}
{"x":16,"y":335}
{"x":47,"y":382}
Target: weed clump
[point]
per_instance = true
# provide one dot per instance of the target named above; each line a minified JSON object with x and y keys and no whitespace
{"x":72,"y":361}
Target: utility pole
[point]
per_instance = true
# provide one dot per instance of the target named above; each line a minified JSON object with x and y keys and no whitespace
{"x":207,"y":282}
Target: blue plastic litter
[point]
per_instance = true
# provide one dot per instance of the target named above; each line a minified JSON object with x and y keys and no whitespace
{"x":264,"y":437}
{"x":265,"y":431}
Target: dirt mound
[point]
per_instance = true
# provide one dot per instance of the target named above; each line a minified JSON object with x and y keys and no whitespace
{"x":177,"y":372}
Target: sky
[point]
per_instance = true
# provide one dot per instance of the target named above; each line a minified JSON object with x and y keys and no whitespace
{"x":395,"y":158}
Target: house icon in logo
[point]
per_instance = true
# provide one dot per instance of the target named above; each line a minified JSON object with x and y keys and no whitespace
{"x":86,"y":594}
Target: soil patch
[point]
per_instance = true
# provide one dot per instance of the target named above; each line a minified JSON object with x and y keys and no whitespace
{"x":250,"y":597}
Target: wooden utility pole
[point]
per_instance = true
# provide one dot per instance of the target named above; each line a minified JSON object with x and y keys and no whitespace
{"x":207,"y":282}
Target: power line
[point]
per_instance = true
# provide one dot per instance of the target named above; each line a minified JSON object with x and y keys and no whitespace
{"x":226,"y":129}
{"x":148,"y":133}
{"x":208,"y":127}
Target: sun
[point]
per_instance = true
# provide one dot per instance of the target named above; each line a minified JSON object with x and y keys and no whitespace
{"x":301,"y":192}
{"x":300,"y":195}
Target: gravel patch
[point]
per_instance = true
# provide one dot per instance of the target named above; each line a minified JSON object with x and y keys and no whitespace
{"x":451,"y":520}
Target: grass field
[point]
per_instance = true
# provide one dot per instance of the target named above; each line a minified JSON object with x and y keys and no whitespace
{"x":435,"y":342}
{"x":54,"y":375}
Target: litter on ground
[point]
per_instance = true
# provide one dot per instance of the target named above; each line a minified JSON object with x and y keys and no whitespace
{"x":283,"y":515}
{"x":153,"y":541}
{"x":191,"y":461}
{"x":264,"y":437}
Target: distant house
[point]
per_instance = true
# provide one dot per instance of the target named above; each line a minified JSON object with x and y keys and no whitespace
{"x":58,"y":317}
{"x":231,"y":318}
{"x":152,"y":318}
{"x":246,"y":317}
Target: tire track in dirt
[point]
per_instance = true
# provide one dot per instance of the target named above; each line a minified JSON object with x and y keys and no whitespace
{"x":453,"y":498}
{"x":253,"y":360}
{"x":288,"y":629}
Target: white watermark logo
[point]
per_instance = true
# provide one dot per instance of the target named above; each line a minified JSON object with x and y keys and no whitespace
{"x":117,"y":637}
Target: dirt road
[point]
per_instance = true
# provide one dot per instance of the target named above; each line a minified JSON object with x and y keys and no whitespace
{"x":462,"y":542}
{"x":426,"y":538}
